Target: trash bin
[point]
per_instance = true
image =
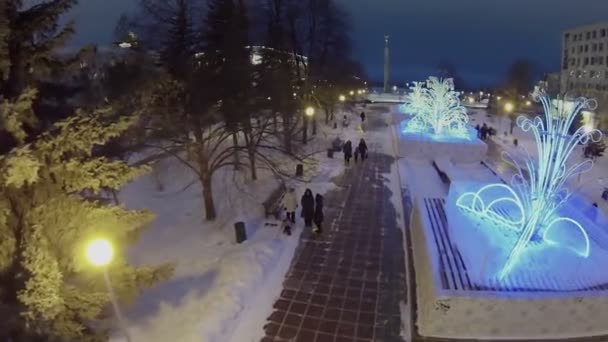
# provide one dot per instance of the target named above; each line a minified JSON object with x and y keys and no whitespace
{"x":299,"y":170}
{"x":241,"y":233}
{"x":330,"y":153}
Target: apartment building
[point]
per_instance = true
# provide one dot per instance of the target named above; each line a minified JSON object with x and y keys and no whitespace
{"x":584,"y":69}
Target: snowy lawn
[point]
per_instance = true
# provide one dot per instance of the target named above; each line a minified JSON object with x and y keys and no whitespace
{"x":221,"y":291}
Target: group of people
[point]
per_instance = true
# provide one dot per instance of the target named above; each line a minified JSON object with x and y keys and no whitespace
{"x":312,"y":211}
{"x":360,"y":150}
{"x":484,"y":131}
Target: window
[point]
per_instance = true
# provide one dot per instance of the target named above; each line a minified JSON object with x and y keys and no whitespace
{"x":594,"y":47}
{"x":588,"y":35}
{"x":580,"y":48}
{"x":567,"y":36}
{"x":594,"y":34}
{"x":578,"y":62}
{"x":586,"y":48}
{"x":572,"y":62}
{"x":603,"y":33}
{"x":592,"y":60}
{"x":586,"y":61}
{"x":600,"y":47}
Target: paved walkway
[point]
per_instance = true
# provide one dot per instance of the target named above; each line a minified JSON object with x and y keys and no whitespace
{"x":347,"y":285}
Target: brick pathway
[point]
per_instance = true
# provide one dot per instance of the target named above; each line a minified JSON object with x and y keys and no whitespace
{"x":348,"y":284}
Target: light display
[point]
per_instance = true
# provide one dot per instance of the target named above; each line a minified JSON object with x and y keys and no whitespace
{"x":531,"y":205}
{"x":437,"y":109}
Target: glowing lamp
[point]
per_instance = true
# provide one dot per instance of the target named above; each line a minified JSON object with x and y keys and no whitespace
{"x":499,"y":98}
{"x":509,"y":107}
{"x":310,"y":111}
{"x":352,"y":92}
{"x":471,"y":100}
{"x":342,"y":98}
{"x":528,"y":103}
{"x":100,"y":252}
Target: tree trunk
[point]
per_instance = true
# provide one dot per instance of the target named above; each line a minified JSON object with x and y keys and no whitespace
{"x":235,"y":143}
{"x":305,"y":131}
{"x":210,"y":213}
{"x":287,"y":133}
{"x":314,"y":126}
{"x":252,"y":164}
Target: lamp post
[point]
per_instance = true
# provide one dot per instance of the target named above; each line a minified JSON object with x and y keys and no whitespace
{"x":100,"y":253}
{"x":310,"y":114}
{"x":509,"y":107}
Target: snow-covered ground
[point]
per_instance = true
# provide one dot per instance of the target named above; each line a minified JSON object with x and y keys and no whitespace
{"x":220,"y":291}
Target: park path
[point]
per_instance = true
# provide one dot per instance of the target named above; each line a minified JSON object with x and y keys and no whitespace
{"x":348,"y":284}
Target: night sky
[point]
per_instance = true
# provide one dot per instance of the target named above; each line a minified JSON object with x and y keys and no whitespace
{"x":480,"y":37}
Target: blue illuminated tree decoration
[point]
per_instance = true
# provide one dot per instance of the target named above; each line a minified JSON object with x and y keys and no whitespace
{"x":437,"y":109}
{"x":537,"y":198}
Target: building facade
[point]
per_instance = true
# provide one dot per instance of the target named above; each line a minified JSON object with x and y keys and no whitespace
{"x":584,"y":66}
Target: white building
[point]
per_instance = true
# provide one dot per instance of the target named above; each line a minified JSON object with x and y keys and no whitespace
{"x":584,"y":70}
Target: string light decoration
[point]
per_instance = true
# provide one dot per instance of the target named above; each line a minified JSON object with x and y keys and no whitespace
{"x":437,"y":109}
{"x":531,"y":205}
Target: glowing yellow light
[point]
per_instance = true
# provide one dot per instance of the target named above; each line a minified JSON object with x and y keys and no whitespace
{"x":342,"y":98}
{"x":509,"y":107}
{"x":499,"y":98}
{"x":310,"y":111}
{"x":471,"y":100}
{"x":100,"y":252}
{"x":528,"y":103}
{"x":352,"y":92}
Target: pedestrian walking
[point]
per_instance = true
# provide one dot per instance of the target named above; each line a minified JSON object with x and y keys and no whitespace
{"x":290,"y":203}
{"x":348,"y":152}
{"x":363,"y":149}
{"x":478,"y":128}
{"x":308,"y":208}
{"x":356,"y":154}
{"x":484,"y":132}
{"x":362,"y":117}
{"x":318,"y":219}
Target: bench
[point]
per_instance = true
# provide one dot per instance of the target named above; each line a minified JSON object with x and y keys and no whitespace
{"x":273,"y":205}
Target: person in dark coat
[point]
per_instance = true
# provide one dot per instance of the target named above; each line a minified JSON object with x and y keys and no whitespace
{"x":348,"y":151}
{"x":477,"y":128}
{"x":318,"y":219}
{"x":363,"y":149}
{"x":356,"y":154}
{"x":484,"y":132}
{"x":308,"y":208}
{"x":362,"y":116}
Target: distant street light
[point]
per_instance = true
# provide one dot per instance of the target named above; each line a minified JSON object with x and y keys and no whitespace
{"x":499,"y":98}
{"x":342,"y":98}
{"x":352,"y":93}
{"x":100,"y":254}
{"x":509,"y":107}
{"x":528,"y":103}
{"x":481,"y":93}
{"x":310,"y":112}
{"x":471,"y":100}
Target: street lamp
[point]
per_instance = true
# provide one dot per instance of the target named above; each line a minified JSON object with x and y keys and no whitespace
{"x":528,"y":103}
{"x":509,"y":107}
{"x":342,"y":98}
{"x":310,"y":112}
{"x":100,"y":254}
{"x":352,"y":93}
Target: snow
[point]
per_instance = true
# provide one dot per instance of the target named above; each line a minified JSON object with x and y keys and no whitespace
{"x":220,"y":291}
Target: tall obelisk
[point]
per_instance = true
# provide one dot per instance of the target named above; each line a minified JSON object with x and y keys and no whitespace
{"x":387,"y":87}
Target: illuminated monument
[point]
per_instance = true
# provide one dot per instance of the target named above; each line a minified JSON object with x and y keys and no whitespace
{"x":522,"y":258}
{"x":437,"y":110}
{"x":438,"y":127}
{"x":531,"y":205}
